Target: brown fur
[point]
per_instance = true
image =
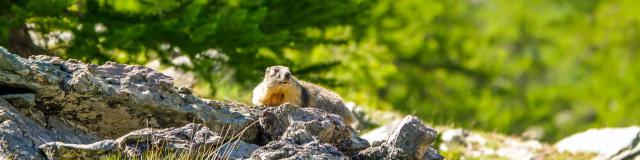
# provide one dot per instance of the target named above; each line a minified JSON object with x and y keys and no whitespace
{"x":279,"y":87}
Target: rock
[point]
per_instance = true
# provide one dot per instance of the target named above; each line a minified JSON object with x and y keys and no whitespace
{"x":25,"y":100}
{"x":309,"y":124}
{"x":410,"y":140}
{"x":54,"y":100}
{"x":64,"y":109}
{"x":59,"y":150}
{"x":20,"y":135}
{"x":412,"y":136}
{"x":236,"y":150}
{"x":608,"y":143}
{"x":112,"y":99}
{"x":288,"y":149}
{"x":381,"y":133}
{"x":191,"y":137}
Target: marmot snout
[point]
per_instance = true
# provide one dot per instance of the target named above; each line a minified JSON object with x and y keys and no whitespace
{"x":279,"y":86}
{"x":277,"y":75}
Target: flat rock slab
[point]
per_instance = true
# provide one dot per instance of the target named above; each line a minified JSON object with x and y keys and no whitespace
{"x":608,"y":143}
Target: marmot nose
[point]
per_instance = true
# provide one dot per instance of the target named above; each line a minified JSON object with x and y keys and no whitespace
{"x":287,"y":76}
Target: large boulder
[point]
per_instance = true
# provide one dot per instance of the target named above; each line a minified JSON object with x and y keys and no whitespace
{"x":112,"y":99}
{"x":608,"y":143}
{"x":55,"y":100}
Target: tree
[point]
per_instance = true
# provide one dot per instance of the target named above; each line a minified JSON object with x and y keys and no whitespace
{"x":135,"y":31}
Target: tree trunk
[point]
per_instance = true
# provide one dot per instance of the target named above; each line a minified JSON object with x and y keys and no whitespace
{"x":21,"y":43}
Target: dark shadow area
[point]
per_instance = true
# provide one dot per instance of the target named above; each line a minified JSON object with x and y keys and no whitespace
{"x":12,"y":89}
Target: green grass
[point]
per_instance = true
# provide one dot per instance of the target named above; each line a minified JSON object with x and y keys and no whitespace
{"x":205,"y":152}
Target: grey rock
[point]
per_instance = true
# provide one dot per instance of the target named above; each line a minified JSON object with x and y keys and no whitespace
{"x":54,"y":100}
{"x":112,"y":99}
{"x":20,"y":135}
{"x":412,"y":136}
{"x":307,"y":125}
{"x":57,"y":108}
{"x":381,"y":133}
{"x":608,"y":143}
{"x":410,"y":140}
{"x":192,"y":137}
{"x":289,"y":149}
{"x":382,"y":151}
{"x":25,"y":100}
{"x":97,"y":150}
{"x":238,"y":149}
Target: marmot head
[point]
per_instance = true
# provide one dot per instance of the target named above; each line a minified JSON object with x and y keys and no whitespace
{"x":277,"y":75}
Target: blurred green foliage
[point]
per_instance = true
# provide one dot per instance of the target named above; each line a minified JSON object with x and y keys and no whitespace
{"x":559,"y":65}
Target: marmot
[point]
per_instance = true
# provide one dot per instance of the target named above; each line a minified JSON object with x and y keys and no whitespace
{"x":279,"y":87}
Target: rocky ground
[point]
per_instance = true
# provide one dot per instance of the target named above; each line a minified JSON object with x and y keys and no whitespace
{"x":64,"y":109}
{"x":459,"y":143}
